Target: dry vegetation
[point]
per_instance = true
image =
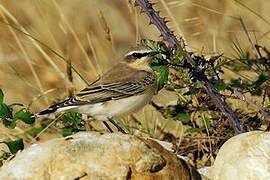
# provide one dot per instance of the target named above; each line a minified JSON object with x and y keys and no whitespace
{"x":94,"y":34}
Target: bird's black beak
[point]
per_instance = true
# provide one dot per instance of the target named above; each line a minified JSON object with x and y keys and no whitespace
{"x":152,"y":53}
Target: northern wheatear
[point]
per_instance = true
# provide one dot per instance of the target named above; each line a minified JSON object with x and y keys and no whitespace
{"x":122,"y":90}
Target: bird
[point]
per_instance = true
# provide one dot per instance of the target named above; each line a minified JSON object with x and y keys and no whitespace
{"x":122,"y":90}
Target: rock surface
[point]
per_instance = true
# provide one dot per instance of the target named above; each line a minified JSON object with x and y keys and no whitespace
{"x":90,"y":155}
{"x":245,"y":156}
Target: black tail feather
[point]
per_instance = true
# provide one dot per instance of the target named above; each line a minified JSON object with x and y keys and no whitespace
{"x":53,"y":108}
{"x":47,"y":111}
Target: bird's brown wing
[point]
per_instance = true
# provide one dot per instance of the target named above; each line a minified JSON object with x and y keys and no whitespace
{"x":120,"y":82}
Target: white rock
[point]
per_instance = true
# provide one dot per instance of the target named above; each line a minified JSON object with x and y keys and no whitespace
{"x":90,"y":155}
{"x":245,"y":157}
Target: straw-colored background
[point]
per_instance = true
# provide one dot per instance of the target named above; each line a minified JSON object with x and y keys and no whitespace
{"x":94,"y":35}
{"x":76,"y":30}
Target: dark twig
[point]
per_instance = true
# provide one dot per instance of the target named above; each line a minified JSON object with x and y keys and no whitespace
{"x":253,"y":104}
{"x":170,"y":38}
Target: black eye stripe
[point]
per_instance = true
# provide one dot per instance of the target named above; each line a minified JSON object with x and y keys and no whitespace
{"x":139,"y":55}
{"x":136,"y":55}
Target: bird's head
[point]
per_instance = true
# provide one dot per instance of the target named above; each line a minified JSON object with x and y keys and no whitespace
{"x":140,"y":58}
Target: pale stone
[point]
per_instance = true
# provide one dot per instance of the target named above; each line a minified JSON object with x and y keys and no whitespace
{"x":91,"y":155}
{"x":245,"y":156}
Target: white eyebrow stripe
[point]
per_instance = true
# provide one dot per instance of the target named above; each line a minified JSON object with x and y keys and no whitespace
{"x":139,"y":51}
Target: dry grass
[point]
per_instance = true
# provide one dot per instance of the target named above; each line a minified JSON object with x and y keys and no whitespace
{"x":93,"y":34}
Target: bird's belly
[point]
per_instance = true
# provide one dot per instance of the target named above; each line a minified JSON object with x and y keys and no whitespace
{"x":117,"y":108}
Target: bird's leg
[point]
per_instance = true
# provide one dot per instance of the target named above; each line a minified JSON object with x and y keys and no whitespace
{"x":116,"y":125}
{"x":107,"y":126}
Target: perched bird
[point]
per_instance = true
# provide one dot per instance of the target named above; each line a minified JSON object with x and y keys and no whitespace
{"x":122,"y":90}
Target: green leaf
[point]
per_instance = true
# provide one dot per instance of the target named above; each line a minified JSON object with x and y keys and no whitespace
{"x":184,"y":117}
{"x":256,"y":91}
{"x":260,"y":80}
{"x":162,"y":73}
{"x":220,"y":85}
{"x":1,"y":96}
{"x":193,"y":130}
{"x":5,"y":111}
{"x":157,"y":46}
{"x":68,"y":132}
{"x":73,"y":120}
{"x":8,"y":122}
{"x":238,"y":83}
{"x":25,"y":116}
{"x":180,"y":52}
{"x":15,"y":146}
{"x":192,"y":91}
{"x":150,"y":44}
{"x":235,"y":83}
{"x":72,"y":117}
{"x":34,"y":131}
{"x":6,"y":116}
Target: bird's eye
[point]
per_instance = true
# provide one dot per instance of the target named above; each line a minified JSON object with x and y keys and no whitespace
{"x":135,"y":54}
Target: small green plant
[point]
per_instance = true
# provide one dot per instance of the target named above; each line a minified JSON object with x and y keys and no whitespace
{"x":9,"y":115}
{"x":190,"y":90}
{"x":72,"y":122}
{"x":13,"y":146}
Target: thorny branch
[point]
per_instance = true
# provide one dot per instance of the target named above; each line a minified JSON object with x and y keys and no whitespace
{"x":170,"y":38}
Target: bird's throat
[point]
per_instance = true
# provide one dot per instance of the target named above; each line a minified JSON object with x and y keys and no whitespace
{"x":142,"y":64}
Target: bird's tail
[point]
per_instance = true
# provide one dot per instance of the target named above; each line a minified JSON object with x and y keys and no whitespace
{"x":47,"y":111}
{"x":62,"y":106}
